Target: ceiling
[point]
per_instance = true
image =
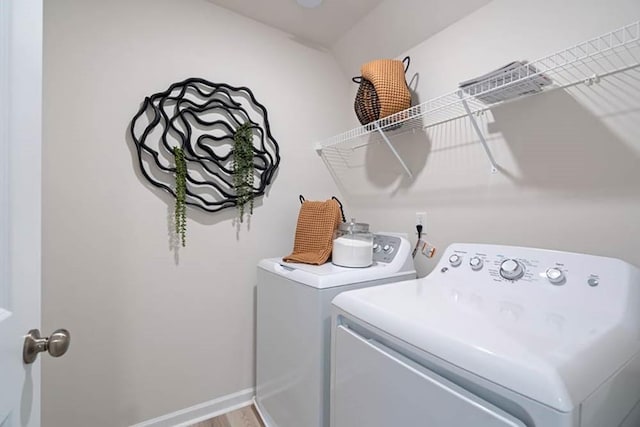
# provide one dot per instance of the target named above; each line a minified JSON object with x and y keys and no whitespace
{"x":357,"y":31}
{"x":320,"y":27}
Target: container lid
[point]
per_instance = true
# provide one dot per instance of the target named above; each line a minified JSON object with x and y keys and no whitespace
{"x":354,"y":227}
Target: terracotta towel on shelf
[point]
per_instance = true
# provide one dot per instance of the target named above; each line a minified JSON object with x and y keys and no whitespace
{"x":314,"y":232}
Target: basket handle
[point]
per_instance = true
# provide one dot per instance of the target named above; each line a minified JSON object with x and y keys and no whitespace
{"x":407,"y":62}
{"x":302,"y":200}
{"x":341,"y":208}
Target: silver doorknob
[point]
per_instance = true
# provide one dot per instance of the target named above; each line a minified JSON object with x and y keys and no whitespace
{"x":57,"y":344}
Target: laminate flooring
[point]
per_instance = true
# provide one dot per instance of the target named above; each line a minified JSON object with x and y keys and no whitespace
{"x":243,"y":417}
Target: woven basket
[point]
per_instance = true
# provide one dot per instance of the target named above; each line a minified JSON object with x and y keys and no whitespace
{"x":367,"y":104}
{"x":383,"y":90}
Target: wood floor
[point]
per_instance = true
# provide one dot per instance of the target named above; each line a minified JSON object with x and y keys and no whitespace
{"x":243,"y":417}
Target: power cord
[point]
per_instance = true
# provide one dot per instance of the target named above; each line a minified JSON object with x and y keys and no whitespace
{"x":423,"y":246}
{"x":419,"y":230}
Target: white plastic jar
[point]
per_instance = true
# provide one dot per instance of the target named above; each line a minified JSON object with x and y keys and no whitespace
{"x":352,"y":245}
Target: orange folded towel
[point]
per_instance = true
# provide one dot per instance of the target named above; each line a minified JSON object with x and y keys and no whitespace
{"x":314,"y":232}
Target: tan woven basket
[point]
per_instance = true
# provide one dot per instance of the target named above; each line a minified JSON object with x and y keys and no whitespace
{"x":383,"y":90}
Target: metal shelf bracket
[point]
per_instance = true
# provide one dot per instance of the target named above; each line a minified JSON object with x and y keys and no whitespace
{"x":474,"y":123}
{"x":393,"y":150}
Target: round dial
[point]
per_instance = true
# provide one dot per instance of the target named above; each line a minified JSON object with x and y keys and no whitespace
{"x":475,"y":263}
{"x":555,"y":275}
{"x":387,"y":249}
{"x":511,"y":269}
{"x":455,"y":260}
{"x":376,"y":247}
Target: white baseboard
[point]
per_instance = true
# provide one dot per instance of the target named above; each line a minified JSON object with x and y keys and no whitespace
{"x":202,"y":411}
{"x":263,"y":417}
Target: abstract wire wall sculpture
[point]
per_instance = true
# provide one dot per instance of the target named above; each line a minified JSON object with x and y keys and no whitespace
{"x":202,"y":118}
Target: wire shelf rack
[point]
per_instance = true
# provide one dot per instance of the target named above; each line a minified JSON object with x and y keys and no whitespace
{"x":585,"y":63}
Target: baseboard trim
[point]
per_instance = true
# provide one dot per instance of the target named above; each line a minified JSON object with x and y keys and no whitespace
{"x":262,"y":416}
{"x":202,"y":411}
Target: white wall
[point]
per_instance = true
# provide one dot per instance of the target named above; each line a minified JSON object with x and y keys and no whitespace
{"x":151,"y":337}
{"x":571,"y":159}
{"x":394,"y":26}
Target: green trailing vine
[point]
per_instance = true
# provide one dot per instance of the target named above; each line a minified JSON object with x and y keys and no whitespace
{"x":243,"y":168}
{"x":180,"y":213}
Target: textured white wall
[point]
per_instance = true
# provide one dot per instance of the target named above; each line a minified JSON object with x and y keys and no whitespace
{"x":571,"y":158}
{"x":151,"y":337}
{"x":394,"y":26}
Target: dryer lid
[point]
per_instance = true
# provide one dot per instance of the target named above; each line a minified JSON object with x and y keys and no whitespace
{"x":531,"y":337}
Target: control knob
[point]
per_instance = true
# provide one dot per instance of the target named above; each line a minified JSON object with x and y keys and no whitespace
{"x":511,"y":269}
{"x":387,"y":249}
{"x":555,"y":275}
{"x":455,"y":260}
{"x":376,"y":247}
{"x":475,"y":263}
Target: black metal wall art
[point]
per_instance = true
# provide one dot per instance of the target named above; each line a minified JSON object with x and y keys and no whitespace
{"x":201,"y":118}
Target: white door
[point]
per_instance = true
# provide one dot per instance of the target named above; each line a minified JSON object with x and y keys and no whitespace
{"x":20,"y":146}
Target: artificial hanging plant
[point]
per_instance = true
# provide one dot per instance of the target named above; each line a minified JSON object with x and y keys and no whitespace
{"x":180,"y":213}
{"x":243,"y":167}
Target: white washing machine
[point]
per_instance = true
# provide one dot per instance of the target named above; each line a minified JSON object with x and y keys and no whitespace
{"x":294,"y":328}
{"x":495,"y":336}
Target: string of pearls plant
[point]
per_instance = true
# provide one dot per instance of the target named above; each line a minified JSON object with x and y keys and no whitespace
{"x":243,"y":178}
{"x":243,"y":168}
{"x":180,"y":213}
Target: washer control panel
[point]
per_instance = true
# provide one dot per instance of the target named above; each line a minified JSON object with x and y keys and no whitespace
{"x":560,"y":296}
{"x":518,"y":265}
{"x":385,"y":247}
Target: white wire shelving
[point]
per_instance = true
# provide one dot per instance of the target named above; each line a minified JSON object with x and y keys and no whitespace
{"x":585,"y":63}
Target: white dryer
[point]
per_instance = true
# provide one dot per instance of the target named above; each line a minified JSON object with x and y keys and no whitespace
{"x":495,"y":336}
{"x":294,"y":329}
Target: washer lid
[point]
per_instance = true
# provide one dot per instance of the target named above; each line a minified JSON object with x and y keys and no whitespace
{"x":392,"y":261}
{"x":518,"y":344}
{"x":329,"y":275}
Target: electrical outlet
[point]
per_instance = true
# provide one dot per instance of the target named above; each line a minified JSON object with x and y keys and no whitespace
{"x":421,"y":218}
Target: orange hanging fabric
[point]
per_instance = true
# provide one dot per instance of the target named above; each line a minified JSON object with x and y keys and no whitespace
{"x":314,"y":232}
